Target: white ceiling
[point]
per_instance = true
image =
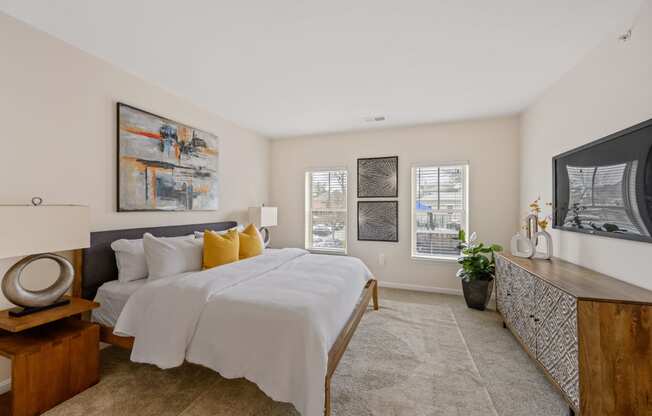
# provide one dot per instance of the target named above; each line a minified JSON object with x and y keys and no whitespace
{"x":290,"y":67}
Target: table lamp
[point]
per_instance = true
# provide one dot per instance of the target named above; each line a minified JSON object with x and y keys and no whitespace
{"x":263,"y":217}
{"x":35,"y":231}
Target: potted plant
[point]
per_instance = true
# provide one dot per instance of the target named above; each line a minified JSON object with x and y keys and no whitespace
{"x":477,"y":271}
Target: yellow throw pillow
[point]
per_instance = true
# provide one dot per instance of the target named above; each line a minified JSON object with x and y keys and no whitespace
{"x":251,"y":243}
{"x":220,"y":249}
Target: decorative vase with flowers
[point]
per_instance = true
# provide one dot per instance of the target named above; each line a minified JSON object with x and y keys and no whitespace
{"x":535,"y":229}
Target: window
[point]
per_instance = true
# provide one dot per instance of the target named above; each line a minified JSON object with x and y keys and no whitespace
{"x":326,"y":210}
{"x":439,"y":210}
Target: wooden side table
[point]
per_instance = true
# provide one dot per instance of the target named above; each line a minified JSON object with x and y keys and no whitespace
{"x":54,"y":356}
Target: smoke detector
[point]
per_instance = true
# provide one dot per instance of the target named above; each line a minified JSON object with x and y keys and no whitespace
{"x":375,"y":119}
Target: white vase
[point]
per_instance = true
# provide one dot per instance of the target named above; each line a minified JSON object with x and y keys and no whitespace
{"x":548,"y":253}
{"x":521,"y":246}
{"x":531,"y":227}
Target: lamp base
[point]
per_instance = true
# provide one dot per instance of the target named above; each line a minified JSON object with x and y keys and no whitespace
{"x":50,"y":296}
{"x":264,"y":231}
{"x":17,"y":312}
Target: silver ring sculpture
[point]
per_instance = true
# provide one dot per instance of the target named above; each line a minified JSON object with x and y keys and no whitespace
{"x":17,"y":294}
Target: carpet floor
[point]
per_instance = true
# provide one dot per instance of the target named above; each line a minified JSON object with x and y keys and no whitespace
{"x":421,"y":354}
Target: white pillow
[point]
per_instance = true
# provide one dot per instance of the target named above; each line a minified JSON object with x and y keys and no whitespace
{"x":130,"y":259}
{"x":170,"y":256}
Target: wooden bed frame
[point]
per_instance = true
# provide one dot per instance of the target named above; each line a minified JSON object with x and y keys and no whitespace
{"x":369,"y":293}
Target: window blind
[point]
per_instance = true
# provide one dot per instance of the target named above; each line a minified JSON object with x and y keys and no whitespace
{"x":326,"y":210}
{"x":439,"y":210}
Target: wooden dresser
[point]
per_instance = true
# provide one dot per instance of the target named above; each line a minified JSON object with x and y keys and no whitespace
{"x":590,"y":333}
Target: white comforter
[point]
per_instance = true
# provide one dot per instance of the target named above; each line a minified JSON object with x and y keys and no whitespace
{"x":271,"y":319}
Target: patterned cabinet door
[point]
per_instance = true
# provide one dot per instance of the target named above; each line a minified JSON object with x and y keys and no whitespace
{"x":522,"y":307}
{"x":556,"y":338}
{"x":503,"y":286}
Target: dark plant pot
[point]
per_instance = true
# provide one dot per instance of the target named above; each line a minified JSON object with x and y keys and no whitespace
{"x":477,"y":293}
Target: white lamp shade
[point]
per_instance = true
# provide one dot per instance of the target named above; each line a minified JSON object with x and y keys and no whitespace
{"x":28,"y":229}
{"x":263,"y":216}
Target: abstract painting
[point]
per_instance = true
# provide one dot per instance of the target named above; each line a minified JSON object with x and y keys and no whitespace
{"x":164,"y":165}
{"x":378,"y":221}
{"x":378,"y":177}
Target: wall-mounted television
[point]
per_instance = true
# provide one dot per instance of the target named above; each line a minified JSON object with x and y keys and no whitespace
{"x":605,"y":187}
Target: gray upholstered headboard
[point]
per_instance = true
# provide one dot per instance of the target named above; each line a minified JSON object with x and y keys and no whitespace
{"x":98,"y":261}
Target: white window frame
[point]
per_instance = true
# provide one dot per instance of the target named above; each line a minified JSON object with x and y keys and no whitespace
{"x":465,"y":217}
{"x":308,"y":213}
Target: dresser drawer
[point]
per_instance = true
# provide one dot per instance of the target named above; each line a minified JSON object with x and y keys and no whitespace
{"x":503,"y":286}
{"x":522,"y":307}
{"x":515,"y":291}
{"x":556,"y":337}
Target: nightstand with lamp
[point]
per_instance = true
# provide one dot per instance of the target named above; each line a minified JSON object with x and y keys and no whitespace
{"x":263,"y":217}
{"x":54,"y":355}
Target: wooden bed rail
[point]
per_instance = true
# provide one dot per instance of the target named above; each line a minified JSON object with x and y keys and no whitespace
{"x":370,"y":292}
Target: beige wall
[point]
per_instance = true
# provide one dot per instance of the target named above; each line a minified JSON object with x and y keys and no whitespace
{"x":609,"y":90}
{"x":490,"y":147}
{"x":57,"y":111}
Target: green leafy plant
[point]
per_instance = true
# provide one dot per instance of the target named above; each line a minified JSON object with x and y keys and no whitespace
{"x":477,"y":260}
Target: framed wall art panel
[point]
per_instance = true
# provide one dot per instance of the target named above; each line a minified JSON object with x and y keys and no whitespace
{"x":378,"y":177}
{"x":378,"y":221}
{"x":164,"y":165}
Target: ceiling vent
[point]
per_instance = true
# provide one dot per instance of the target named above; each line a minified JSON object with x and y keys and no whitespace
{"x":375,"y":119}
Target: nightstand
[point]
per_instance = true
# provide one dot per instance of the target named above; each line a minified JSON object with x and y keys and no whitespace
{"x":54,"y":356}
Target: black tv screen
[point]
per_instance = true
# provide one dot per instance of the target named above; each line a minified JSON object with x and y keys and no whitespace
{"x":605,"y":187}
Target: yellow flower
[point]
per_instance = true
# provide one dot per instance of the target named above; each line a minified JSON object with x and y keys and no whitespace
{"x":535,"y":208}
{"x":543,"y":223}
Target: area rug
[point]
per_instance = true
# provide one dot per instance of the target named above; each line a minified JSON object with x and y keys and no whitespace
{"x":406,"y":359}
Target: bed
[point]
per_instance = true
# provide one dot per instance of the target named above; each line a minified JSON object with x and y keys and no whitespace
{"x":286,"y":311}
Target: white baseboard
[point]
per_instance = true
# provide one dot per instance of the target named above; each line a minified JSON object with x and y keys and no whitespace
{"x":5,"y":386}
{"x":420,"y":288}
